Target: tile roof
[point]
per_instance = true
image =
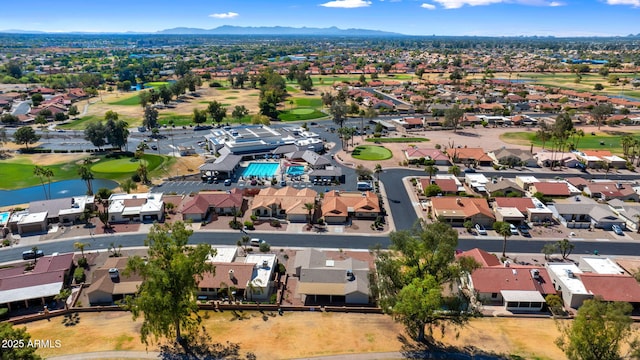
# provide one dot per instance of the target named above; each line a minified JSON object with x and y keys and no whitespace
{"x":483,"y":257}
{"x":552,"y":188}
{"x":290,"y":199}
{"x":466,"y":206}
{"x":495,"y":279}
{"x":522,"y":204}
{"x":242,"y":274}
{"x":340,"y":203}
{"x":612,"y":287}
{"x":477,"y":154}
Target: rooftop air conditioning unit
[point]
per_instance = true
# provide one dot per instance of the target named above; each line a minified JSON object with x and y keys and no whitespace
{"x":265,"y":264}
{"x":535,"y":273}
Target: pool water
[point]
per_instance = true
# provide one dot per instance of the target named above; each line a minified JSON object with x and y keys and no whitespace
{"x":260,"y":169}
{"x":4,"y":217}
{"x":295,"y":170}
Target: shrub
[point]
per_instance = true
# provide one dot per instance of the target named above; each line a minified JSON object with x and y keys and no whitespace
{"x":3,"y":312}
{"x":6,"y":242}
{"x":82,"y":262}
{"x":248,"y":224}
{"x":235,"y":224}
{"x":273,"y":298}
{"x":78,"y":275}
{"x":265,"y":247}
{"x":253,"y":217}
{"x":135,"y":177}
{"x":215,"y":84}
{"x":275,"y":223}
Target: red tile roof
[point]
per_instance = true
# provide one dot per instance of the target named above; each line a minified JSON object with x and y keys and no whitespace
{"x":467,"y":206}
{"x":495,"y":279}
{"x":522,"y":204}
{"x":552,"y":188}
{"x":481,"y":256}
{"x":242,"y":274}
{"x":447,"y":185}
{"x":612,"y":287}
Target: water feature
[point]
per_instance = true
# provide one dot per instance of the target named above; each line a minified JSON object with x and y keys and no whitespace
{"x":295,"y":170}
{"x":260,"y":169}
{"x":59,"y":189}
{"x":4,"y":217}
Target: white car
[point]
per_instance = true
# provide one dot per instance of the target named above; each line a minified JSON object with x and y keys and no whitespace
{"x":616,"y":229}
{"x":513,"y":229}
{"x":481,"y":230}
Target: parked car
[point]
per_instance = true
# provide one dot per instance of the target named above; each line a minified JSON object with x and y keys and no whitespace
{"x":513,"y":229}
{"x":227,"y":182}
{"x":524,"y":230}
{"x":481,"y":230}
{"x":618,"y":230}
{"x":30,"y":254}
{"x":469,"y":170}
{"x":255,"y":242}
{"x":154,"y":147}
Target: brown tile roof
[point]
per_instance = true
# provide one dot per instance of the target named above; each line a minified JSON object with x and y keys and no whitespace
{"x":481,"y":256}
{"x":522,"y":204}
{"x":612,"y":287}
{"x":467,"y":206}
{"x":290,"y":199}
{"x":552,"y":188}
{"x":447,"y":185}
{"x":339,"y":203}
{"x":495,"y":279}
{"x":469,"y":153}
{"x":577,"y":181}
{"x":242,"y":273}
{"x":216,"y":199}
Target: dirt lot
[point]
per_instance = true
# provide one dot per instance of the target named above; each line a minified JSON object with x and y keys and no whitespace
{"x":300,"y":334}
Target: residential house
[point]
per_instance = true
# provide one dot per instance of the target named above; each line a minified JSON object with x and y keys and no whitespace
{"x":23,"y":222}
{"x":21,"y":289}
{"x":555,"y":189}
{"x":476,"y":181}
{"x":607,"y":190}
{"x":264,"y":272}
{"x":469,"y":156}
{"x":228,"y":280}
{"x":532,"y":209}
{"x":458,"y":210}
{"x":586,"y":214}
{"x":324,"y":280}
{"x":629,"y":212}
{"x":65,"y":210}
{"x":577,"y":181}
{"x":286,"y":202}
{"x":447,"y":186}
{"x":206,"y":203}
{"x":518,"y":288}
{"x":512,"y":157}
{"x":564,"y":277}
{"x":414,"y":153}
{"x":339,"y":206}
{"x":549,"y":158}
{"x":526,"y":181}
{"x":109,"y":284}
{"x":136,"y":207}
{"x":506,"y":187}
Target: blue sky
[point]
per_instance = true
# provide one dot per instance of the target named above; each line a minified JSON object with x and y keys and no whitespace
{"x":414,"y":17}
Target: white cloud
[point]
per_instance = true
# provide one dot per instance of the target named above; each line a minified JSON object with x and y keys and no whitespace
{"x":428,"y":6}
{"x":347,"y":4}
{"x":227,"y":15}
{"x":635,"y":3}
{"x":455,"y":4}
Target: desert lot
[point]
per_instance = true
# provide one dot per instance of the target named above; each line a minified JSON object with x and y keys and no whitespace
{"x":301,"y":334}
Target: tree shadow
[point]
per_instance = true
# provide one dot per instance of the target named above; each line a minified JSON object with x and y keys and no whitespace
{"x":431,"y":349}
{"x":71,"y":319}
{"x":201,"y":346}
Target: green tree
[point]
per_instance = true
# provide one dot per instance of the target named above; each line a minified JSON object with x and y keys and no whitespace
{"x":239,"y":111}
{"x":455,"y":170}
{"x":217,"y":111}
{"x":453,"y":116}
{"x":143,"y":173}
{"x":128,"y":185}
{"x":96,"y":134}
{"x":600,"y":112}
{"x":63,"y":295}
{"x":468,"y":225}
{"x":166,"y":299}
{"x":116,"y":132}
{"x":503,"y":229}
{"x":87,"y":176}
{"x":310,"y":207}
{"x":548,"y":249}
{"x":543,"y":133}
{"x":555,"y":304}
{"x":16,"y":336}
{"x":432,"y":190}
{"x":598,"y":332}
{"x":25,"y":136}
{"x":431,"y":170}
{"x":338,"y":110}
{"x":44,"y":172}
{"x":377,"y":170}
{"x":145,"y":98}
{"x":565,"y":247}
{"x":36,"y":99}
{"x":80,"y":246}
{"x":199,"y":116}
{"x":165,"y":94}
{"x":411,"y":278}
{"x":150,"y":119}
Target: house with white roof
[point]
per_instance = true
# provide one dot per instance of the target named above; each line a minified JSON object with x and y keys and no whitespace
{"x":569,"y":286}
{"x":264,"y":272}
{"x":22,"y":222}
{"x":476,"y":181}
{"x":136,"y":207}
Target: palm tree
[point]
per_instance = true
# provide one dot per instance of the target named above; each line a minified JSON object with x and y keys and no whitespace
{"x":35,"y":253}
{"x":86,"y":175}
{"x":128,"y":185}
{"x":455,"y":170}
{"x":243,"y":242}
{"x":377,"y":170}
{"x":80,"y":246}
{"x":503,"y":228}
{"x":431,"y":170}
{"x":143,"y":173}
{"x":310,"y":207}
{"x":48,"y":173}
{"x":543,"y":134}
{"x":63,"y":295}
{"x":38,"y":171}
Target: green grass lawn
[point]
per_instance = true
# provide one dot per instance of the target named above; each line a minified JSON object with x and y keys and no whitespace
{"x":588,"y":142}
{"x":397,"y":140}
{"x":117,"y":169}
{"x":81,"y":123}
{"x":371,"y":152}
{"x":301,"y":114}
{"x":308,"y":102}
{"x":156,"y":84}
{"x":17,"y":173}
{"x":292,"y":90}
{"x":128,"y":101}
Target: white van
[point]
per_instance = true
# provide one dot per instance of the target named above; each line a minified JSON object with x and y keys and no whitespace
{"x":364,"y":186}
{"x":255,"y":242}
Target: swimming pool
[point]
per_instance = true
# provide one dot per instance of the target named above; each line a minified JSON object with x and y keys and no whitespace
{"x":295,"y":170}
{"x":4,"y":217}
{"x":260,"y":169}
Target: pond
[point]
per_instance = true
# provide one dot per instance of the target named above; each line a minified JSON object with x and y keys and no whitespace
{"x":59,"y":189}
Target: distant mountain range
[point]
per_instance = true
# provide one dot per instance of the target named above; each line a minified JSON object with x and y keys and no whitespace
{"x":276,"y":30}
{"x":240,"y":30}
